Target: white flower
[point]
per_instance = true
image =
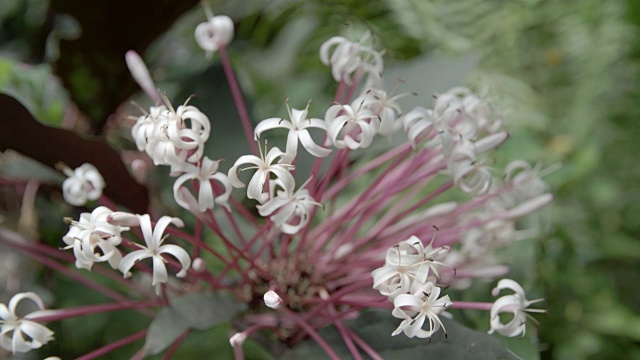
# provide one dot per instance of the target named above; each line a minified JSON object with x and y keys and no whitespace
{"x":356,"y":126}
{"x":146,"y":125}
{"x":297,"y":131}
{"x":264,"y":166}
{"x":154,"y":249}
{"x":216,"y":32}
{"x":517,"y":304}
{"x":384,"y":106}
{"x":176,"y":135}
{"x":83,"y":184}
{"x":19,"y":334}
{"x":291,"y":209}
{"x":468,"y":173}
{"x":272,"y":300}
{"x":407,"y":268}
{"x":204,"y":173}
{"x":525,"y":179}
{"x":415,"y":308}
{"x":349,"y":60}
{"x":93,"y":231}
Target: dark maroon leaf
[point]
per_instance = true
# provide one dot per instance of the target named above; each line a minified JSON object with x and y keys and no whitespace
{"x":21,"y":132}
{"x":92,"y":67}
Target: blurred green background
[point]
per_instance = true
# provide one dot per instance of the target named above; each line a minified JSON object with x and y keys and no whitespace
{"x":565,"y":73}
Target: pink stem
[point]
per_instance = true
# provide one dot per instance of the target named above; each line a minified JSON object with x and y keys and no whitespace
{"x":237,"y":98}
{"x":471,"y":305}
{"x":176,"y":345}
{"x":313,"y":333}
{"x":90,"y":309}
{"x":114,"y":345}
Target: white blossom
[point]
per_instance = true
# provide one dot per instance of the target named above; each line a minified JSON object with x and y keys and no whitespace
{"x":176,"y":135}
{"x":297,"y":132}
{"x":350,"y":60}
{"x":154,"y":249}
{"x":216,"y":32}
{"x":408,"y":267}
{"x":414,"y":309}
{"x":146,"y":125}
{"x":92,"y":232}
{"x":517,"y":304}
{"x":351,"y":126}
{"x":385,"y":107}
{"x":264,"y":165}
{"x":18,"y":334}
{"x":83,"y":184}
{"x":289,"y":210}
{"x":204,"y":173}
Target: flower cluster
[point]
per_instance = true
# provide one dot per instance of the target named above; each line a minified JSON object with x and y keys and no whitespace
{"x":95,"y":237}
{"x":83,"y":184}
{"x":314,"y":259}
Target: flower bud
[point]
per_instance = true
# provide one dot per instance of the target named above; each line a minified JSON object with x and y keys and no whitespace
{"x":197,"y":264}
{"x":272,"y":300}
{"x":238,"y":339}
{"x":120,"y":218}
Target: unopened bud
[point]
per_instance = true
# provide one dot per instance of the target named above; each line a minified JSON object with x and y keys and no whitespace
{"x":197,"y":264}
{"x":238,"y":339}
{"x":272,"y":300}
{"x":120,"y":218}
{"x":140,"y":74}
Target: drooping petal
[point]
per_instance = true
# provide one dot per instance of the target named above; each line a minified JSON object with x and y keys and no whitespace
{"x":131,"y":259}
{"x":159,"y":271}
{"x":180,"y":254}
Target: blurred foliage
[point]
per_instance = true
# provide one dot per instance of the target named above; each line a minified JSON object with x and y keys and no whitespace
{"x":564,"y":72}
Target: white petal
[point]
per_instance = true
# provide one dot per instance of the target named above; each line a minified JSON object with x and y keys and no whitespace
{"x":130,"y":259}
{"x":180,"y":254}
{"x":310,"y":146}
{"x":159,"y":271}
{"x":271,"y":123}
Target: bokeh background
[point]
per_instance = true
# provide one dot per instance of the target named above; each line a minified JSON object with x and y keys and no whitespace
{"x":564,"y":73}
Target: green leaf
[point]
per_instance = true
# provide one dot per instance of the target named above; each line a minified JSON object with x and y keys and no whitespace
{"x":193,"y":311}
{"x":375,"y":327}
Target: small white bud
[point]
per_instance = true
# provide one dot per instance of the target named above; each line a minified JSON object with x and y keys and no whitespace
{"x":121,"y":218}
{"x":198,"y":264}
{"x":238,"y":339}
{"x":272,"y":300}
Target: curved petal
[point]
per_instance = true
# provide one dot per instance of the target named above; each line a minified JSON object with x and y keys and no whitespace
{"x":38,"y":333}
{"x":161,"y":225}
{"x":205,"y":196}
{"x":159,"y":271}
{"x":292,"y":147}
{"x":509,"y":284}
{"x":180,"y":254}
{"x":131,"y":259}
{"x":407,"y":300}
{"x":271,"y":123}
{"x":177,"y":194}
{"x":147,"y":231}
{"x":310,"y":146}
{"x":256,"y":184}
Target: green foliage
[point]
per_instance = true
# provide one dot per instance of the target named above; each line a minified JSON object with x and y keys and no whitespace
{"x":194,"y":311}
{"x":564,"y":73}
{"x":375,"y":327}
